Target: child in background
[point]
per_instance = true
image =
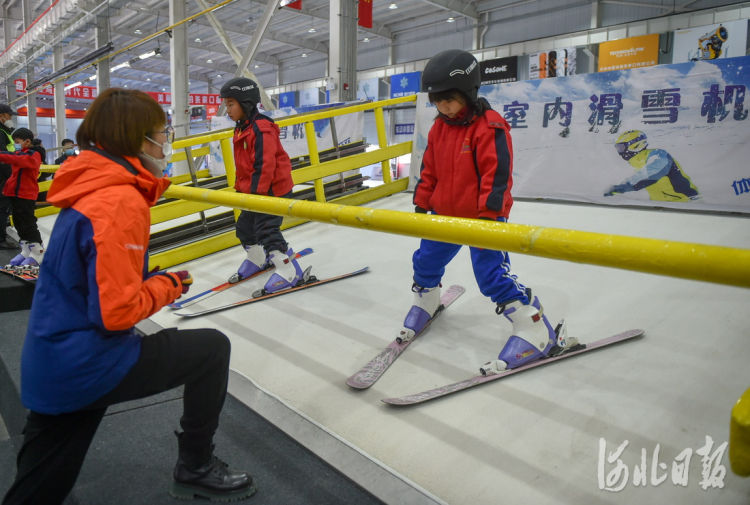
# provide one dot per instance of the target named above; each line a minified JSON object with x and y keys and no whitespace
{"x":22,"y":190}
{"x":467,"y":172}
{"x":263,"y":168}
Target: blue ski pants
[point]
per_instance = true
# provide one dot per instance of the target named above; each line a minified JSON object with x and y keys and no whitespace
{"x":491,"y":269}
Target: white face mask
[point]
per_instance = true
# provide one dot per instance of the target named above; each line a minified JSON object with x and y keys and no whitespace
{"x":8,"y":123}
{"x":166,"y":147}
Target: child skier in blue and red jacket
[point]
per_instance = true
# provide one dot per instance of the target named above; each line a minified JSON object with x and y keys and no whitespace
{"x":263,"y":168}
{"x":467,"y":171}
{"x":22,"y":190}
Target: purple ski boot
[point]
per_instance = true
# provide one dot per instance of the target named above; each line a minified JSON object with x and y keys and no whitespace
{"x":255,"y":262}
{"x":20,"y":257}
{"x":426,"y":304}
{"x":36,"y":254}
{"x":288,"y":272}
{"x":533,"y":337}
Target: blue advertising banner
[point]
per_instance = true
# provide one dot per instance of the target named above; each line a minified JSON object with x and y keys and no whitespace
{"x":288,"y":99}
{"x":405,"y":84}
{"x":668,"y":135}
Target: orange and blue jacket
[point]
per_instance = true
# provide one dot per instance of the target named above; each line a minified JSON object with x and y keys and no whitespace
{"x":467,"y":168}
{"x":93,"y":285}
{"x":263,"y":166}
{"x":25,"y":171}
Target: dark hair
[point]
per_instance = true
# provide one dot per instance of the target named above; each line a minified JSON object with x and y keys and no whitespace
{"x":448,"y":94}
{"x":23,"y":134}
{"x":119,"y":120}
{"x":67,"y":141}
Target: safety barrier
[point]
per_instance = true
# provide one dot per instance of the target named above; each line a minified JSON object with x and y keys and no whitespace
{"x":723,"y":265}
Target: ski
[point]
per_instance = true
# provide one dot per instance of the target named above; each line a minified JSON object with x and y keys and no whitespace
{"x":377,"y":366}
{"x":25,"y":273}
{"x":309,"y":282}
{"x":482,"y":379}
{"x":229,"y":284}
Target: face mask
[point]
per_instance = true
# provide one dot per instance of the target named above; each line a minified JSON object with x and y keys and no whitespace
{"x":166,"y":147}
{"x":69,"y":152}
{"x":18,"y":146}
{"x":8,"y":123}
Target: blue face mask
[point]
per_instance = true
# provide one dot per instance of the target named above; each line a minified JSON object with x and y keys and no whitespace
{"x":17,"y":146}
{"x":70,"y":152}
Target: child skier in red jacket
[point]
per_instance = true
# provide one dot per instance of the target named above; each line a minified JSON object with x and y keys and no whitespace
{"x":467,"y":172}
{"x":22,"y":190}
{"x":263,"y":168}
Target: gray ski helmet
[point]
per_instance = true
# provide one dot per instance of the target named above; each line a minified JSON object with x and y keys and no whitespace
{"x":452,"y":69}
{"x":241,"y":89}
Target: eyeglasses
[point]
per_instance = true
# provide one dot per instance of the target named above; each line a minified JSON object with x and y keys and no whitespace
{"x":169,"y":132}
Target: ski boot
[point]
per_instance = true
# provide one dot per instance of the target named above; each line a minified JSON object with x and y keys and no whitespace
{"x":36,"y":254}
{"x":288,"y":272}
{"x":425,"y":306}
{"x":533,"y":337}
{"x":20,"y":257}
{"x":255,"y":262}
{"x":200,"y":474}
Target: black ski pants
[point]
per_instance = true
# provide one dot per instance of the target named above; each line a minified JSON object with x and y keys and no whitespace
{"x":54,"y":446}
{"x":24,"y":219}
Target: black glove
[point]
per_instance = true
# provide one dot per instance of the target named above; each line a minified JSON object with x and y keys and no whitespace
{"x":419,"y":210}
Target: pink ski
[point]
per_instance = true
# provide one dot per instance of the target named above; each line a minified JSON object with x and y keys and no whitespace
{"x":373,"y":370}
{"x":482,"y":379}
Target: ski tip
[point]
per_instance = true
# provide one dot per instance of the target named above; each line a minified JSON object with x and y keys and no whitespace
{"x":354,"y":384}
{"x":396,"y":402}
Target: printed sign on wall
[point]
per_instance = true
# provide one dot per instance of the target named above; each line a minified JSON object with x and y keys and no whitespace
{"x":499,"y":70}
{"x":555,"y":63}
{"x":405,"y":84}
{"x":633,"y":52}
{"x":724,"y":40}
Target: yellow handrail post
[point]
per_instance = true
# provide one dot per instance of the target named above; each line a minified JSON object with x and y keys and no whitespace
{"x":227,"y":154}
{"x":312,"y":147}
{"x":382,"y":142}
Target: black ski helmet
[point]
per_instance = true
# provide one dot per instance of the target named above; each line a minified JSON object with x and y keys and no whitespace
{"x":452,"y":69}
{"x":242,"y":89}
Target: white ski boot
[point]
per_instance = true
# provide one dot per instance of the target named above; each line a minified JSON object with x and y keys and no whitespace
{"x":425,"y":306}
{"x":533,"y":337}
{"x":36,"y":254}
{"x":288,"y":272}
{"x":20,"y":257}
{"x":255,"y":262}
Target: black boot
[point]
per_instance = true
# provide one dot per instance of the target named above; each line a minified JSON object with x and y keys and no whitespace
{"x":212,"y":480}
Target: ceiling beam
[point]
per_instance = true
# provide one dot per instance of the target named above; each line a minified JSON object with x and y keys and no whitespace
{"x":377,"y":28}
{"x":463,"y":8}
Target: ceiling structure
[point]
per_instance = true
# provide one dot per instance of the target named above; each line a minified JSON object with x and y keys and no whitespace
{"x":294,"y":38}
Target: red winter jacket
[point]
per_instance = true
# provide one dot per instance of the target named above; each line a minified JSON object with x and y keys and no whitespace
{"x":467,"y":169}
{"x":25,"y":171}
{"x":263,"y":167}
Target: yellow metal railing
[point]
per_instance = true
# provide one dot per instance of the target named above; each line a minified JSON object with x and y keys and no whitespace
{"x":723,"y":265}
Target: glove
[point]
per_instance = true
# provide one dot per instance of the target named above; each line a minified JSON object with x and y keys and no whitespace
{"x":617,"y":188}
{"x":185,"y":279}
{"x":419,"y":210}
{"x":153,"y":271}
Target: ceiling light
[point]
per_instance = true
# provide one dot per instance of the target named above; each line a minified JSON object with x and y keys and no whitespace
{"x":257,"y":66}
{"x":312,"y":30}
{"x":304,"y":55}
{"x":148,"y":78}
{"x":125,"y":86}
{"x":137,"y":31}
{"x":164,"y":89}
{"x":209,"y":60}
{"x":198,"y":40}
{"x":393,"y":6}
{"x":149,"y":54}
{"x":218,"y":76}
{"x":93,"y":77}
{"x":450,"y":20}
{"x":74,"y":85}
{"x":121,"y":65}
{"x":366,"y":39}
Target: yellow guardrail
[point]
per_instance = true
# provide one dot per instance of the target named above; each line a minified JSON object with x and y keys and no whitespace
{"x":723,"y":265}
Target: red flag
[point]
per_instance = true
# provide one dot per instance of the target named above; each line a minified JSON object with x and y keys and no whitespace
{"x":365,"y":14}
{"x":292,"y":4}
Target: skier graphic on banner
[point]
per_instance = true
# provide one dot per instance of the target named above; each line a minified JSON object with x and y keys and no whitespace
{"x":655,"y":170}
